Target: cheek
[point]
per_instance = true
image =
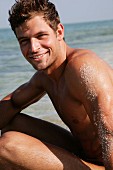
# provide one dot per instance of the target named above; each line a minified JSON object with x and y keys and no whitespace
{"x":24,"y":51}
{"x":49,"y":42}
{"x":46,"y":44}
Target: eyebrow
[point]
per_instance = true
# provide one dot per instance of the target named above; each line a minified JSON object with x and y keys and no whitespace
{"x":37,"y":34}
{"x":21,"y":38}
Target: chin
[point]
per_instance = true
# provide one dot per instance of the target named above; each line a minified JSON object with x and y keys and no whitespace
{"x":39,"y":68}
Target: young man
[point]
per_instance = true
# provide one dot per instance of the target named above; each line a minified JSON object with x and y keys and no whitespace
{"x":80,"y":86}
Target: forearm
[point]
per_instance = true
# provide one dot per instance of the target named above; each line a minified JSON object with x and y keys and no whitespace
{"x":7,"y":111}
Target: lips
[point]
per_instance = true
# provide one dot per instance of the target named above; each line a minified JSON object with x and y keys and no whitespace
{"x":38,"y":56}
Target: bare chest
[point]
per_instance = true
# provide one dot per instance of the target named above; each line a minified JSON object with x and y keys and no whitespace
{"x":67,"y":106}
{"x":73,"y":114}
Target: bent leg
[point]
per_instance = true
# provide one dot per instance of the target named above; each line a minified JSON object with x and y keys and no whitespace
{"x":47,"y":132}
{"x":19,"y":151}
{"x":44,"y":131}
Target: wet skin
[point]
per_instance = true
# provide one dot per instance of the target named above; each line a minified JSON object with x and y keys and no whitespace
{"x":42,"y":43}
{"x":77,"y":81}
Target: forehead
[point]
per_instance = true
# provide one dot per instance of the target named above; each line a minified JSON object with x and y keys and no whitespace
{"x":35,"y":24}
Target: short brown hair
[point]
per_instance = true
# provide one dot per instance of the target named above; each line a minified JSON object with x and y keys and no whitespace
{"x":24,"y":10}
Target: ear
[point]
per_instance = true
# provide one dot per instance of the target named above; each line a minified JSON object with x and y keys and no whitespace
{"x":60,"y":32}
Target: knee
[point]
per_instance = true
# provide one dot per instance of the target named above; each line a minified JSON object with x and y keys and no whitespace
{"x":7,"y":145}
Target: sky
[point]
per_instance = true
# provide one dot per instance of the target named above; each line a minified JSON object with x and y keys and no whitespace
{"x":71,"y":11}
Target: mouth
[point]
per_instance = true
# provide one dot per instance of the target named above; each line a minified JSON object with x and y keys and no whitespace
{"x":38,"y":57}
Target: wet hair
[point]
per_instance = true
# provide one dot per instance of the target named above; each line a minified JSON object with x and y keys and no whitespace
{"x":24,"y":10}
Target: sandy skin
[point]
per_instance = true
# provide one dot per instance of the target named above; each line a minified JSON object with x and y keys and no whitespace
{"x":79,"y":85}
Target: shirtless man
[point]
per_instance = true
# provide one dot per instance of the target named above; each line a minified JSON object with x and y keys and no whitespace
{"x":79,"y":85}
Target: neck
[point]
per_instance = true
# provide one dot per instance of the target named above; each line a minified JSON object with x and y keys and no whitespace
{"x":56,"y":70}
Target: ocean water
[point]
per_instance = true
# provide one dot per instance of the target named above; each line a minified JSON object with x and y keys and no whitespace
{"x":15,"y":70}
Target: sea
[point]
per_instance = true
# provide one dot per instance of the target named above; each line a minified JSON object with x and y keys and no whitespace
{"x":15,"y":70}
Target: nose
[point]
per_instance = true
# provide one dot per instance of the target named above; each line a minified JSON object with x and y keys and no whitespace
{"x":35,"y":45}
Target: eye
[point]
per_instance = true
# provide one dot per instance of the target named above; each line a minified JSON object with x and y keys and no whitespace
{"x":23,"y":41}
{"x":42,"y":36}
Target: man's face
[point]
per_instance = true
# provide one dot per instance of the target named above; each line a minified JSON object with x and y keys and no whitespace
{"x":38,"y":42}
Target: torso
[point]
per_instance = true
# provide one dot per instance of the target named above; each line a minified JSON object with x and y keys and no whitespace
{"x":73,"y":114}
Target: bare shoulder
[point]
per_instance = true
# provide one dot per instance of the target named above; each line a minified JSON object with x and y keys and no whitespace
{"x":81,"y":58}
{"x":86,"y":70}
{"x":29,"y":92}
{"x":37,"y":80}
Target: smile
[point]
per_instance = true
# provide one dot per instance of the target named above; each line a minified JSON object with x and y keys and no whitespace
{"x":39,"y":56}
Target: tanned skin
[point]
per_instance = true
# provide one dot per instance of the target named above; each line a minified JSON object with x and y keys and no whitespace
{"x":79,"y":84}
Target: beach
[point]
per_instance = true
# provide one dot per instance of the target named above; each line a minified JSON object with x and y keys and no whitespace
{"x":15,"y":70}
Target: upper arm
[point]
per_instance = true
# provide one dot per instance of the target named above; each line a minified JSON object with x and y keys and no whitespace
{"x":28,"y":93}
{"x":91,"y":82}
{"x":95,"y":91}
{"x":22,"y":97}
{"x":94,"y":87}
